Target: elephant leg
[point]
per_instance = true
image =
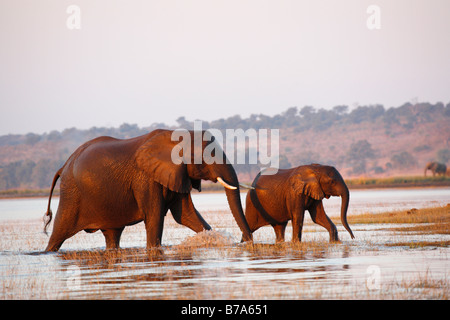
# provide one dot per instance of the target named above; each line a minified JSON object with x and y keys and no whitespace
{"x":184,"y":212}
{"x":112,"y":237}
{"x":297,"y":224}
{"x":57,"y":238}
{"x":54,"y":244}
{"x":319,"y":216}
{"x":279,"y":231}
{"x":154,"y":224}
{"x":152,"y":204}
{"x":296,"y":211}
{"x":64,"y":226}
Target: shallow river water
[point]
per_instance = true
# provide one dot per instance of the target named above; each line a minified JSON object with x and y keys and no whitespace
{"x":214,"y":265}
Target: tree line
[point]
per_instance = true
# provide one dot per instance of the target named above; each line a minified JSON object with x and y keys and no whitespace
{"x":309,"y":117}
{"x":302,"y":119}
{"x":38,"y":172}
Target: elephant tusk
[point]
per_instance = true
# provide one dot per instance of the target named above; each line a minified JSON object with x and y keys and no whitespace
{"x":226,"y":185}
{"x":246,"y":186}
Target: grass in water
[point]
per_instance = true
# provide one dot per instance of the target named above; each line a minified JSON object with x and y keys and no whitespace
{"x":434,"y":220}
{"x":436,"y":215}
{"x":419,"y":244}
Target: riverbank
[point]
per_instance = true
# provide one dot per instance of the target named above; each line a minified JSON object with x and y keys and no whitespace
{"x":26,"y":193}
{"x":355,"y":184}
{"x":398,"y":182}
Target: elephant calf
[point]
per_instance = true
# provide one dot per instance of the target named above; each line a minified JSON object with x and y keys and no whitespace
{"x":286,"y":195}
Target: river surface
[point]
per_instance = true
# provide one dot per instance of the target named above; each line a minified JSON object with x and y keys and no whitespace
{"x":216,"y":265}
{"x":361,"y":201}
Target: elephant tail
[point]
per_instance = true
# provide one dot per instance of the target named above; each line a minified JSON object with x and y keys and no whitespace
{"x":49,"y":214}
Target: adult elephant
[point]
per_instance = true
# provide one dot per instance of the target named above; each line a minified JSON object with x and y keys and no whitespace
{"x":286,"y":195}
{"x":108,"y":183}
{"x":436,"y":168}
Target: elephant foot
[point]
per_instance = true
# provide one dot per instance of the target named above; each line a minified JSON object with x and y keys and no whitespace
{"x":246,"y":241}
{"x":334,"y":239}
{"x":155,"y":251}
{"x":54,"y":245}
{"x":112,"y":238}
{"x":112,"y":248}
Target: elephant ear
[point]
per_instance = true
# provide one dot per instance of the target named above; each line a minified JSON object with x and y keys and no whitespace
{"x":307,"y":184}
{"x":196,"y":184}
{"x":154,"y":159}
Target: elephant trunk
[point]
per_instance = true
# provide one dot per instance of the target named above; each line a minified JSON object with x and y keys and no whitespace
{"x":234,"y":201}
{"x":226,"y":175}
{"x":345,"y":198}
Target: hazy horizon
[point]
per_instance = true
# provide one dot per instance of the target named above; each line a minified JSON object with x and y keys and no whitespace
{"x":142,"y":62}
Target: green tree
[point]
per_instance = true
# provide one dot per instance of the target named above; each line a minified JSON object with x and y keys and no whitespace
{"x":24,"y":172}
{"x":54,"y":136}
{"x":307,"y":157}
{"x":44,"y":172}
{"x":32,"y":139}
{"x":358,"y":154}
{"x":403,"y":160}
{"x":340,"y":110}
{"x":184,"y":124}
{"x":290,"y":117}
{"x":284,"y":162}
{"x":443,"y":155}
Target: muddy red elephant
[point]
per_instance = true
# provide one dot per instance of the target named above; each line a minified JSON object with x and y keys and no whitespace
{"x":436,"y":168}
{"x":286,"y":195}
{"x":108,"y":183}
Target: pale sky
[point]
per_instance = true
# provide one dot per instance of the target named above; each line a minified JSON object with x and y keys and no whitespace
{"x":154,"y":61}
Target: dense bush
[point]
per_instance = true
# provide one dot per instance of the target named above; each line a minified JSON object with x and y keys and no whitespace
{"x":32,"y":172}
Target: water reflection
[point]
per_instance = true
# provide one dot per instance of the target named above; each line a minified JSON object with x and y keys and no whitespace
{"x":222,"y":269}
{"x":236,"y":271}
{"x":170,"y":273}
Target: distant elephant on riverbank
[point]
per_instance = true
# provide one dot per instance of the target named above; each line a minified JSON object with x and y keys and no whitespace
{"x":108,"y":183}
{"x":286,"y":195}
{"x":436,"y":168}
